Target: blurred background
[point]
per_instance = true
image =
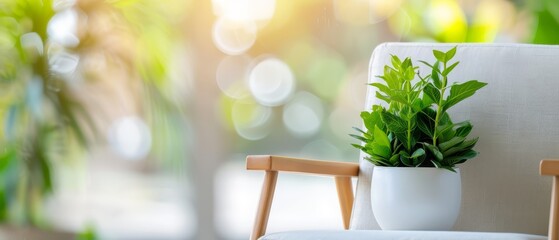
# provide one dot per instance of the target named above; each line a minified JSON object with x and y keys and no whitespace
{"x":131,"y":119}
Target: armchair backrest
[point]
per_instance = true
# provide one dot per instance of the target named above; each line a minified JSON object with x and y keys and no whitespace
{"x":516,"y":117}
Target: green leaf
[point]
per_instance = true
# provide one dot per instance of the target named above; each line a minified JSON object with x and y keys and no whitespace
{"x":435,"y":76}
{"x":450,"y":54}
{"x":459,"y":92}
{"x":426,"y":121}
{"x":462,"y":157}
{"x":381,"y":137}
{"x":358,"y":146}
{"x":382,"y":151}
{"x":426,"y":63}
{"x":425,"y":127}
{"x":441,"y":56}
{"x":394,"y":159}
{"x":382,"y":97}
{"x":432,"y":93}
{"x":464,"y":129}
{"x":434,"y":150}
{"x":445,"y":119}
{"x":466,"y":145}
{"x":449,"y":69}
{"x":418,"y":153}
{"x":448,"y":168}
{"x":443,"y":146}
{"x":400,"y":96}
{"x":371,"y":119}
{"x":395,"y":61}
{"x":394,"y":123}
{"x":445,"y":132}
{"x":405,"y":159}
{"x":378,"y":162}
{"x":361,"y":131}
{"x":383,"y":88}
{"x":360,"y":138}
{"x":406,"y":63}
{"x":409,"y":74}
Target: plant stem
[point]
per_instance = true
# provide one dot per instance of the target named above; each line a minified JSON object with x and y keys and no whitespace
{"x":439,"y":107}
{"x":408,"y":90}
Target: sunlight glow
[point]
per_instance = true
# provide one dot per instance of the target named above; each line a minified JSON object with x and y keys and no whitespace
{"x":234,"y":37}
{"x":271,"y":82}
{"x":360,"y":12}
{"x":245,"y":10}
{"x":447,"y":20}
{"x":62,"y":28}
{"x":489,"y":18}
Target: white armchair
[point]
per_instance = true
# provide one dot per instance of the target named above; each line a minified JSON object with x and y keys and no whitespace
{"x":516,"y":117}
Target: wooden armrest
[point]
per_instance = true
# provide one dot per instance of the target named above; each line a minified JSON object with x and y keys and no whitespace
{"x":551,"y":168}
{"x":300,"y":165}
{"x":342,"y":172}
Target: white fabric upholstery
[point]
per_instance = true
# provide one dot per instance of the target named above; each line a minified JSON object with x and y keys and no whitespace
{"x":396,"y":235}
{"x":516,"y":118}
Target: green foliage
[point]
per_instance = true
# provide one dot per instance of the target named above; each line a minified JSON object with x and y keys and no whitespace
{"x":415,"y":130}
{"x":88,"y":234}
{"x":44,"y":121}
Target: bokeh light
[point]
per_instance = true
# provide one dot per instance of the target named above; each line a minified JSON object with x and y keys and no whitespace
{"x":303,"y":114}
{"x":234,"y":37}
{"x":62,"y":28}
{"x":251,"y":120}
{"x":362,"y":12}
{"x":255,"y":10}
{"x":271,"y":82}
{"x":63,"y":62}
{"x":130,"y":138}
{"x":32,"y":41}
{"x":326,"y":74}
{"x":59,"y":5}
{"x":491,"y":16}
{"x":446,"y":20}
{"x":232,"y":74}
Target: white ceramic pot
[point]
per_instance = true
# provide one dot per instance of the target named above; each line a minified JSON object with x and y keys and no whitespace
{"x":405,"y":198}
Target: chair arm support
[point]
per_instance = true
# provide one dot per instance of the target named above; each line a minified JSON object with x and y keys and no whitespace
{"x":300,"y":165}
{"x":551,"y":168}
{"x":342,"y":171}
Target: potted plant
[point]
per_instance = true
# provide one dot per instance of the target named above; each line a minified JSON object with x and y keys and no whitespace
{"x":416,"y":146}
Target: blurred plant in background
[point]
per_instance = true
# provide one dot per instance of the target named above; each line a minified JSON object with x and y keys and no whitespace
{"x":42,"y":119}
{"x":52,"y":53}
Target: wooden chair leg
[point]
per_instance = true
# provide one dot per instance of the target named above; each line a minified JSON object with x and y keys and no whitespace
{"x":554,"y":211}
{"x":264,"y":205}
{"x":345,"y":195}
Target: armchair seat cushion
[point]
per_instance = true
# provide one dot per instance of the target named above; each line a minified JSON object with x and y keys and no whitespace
{"x":397,"y":235}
